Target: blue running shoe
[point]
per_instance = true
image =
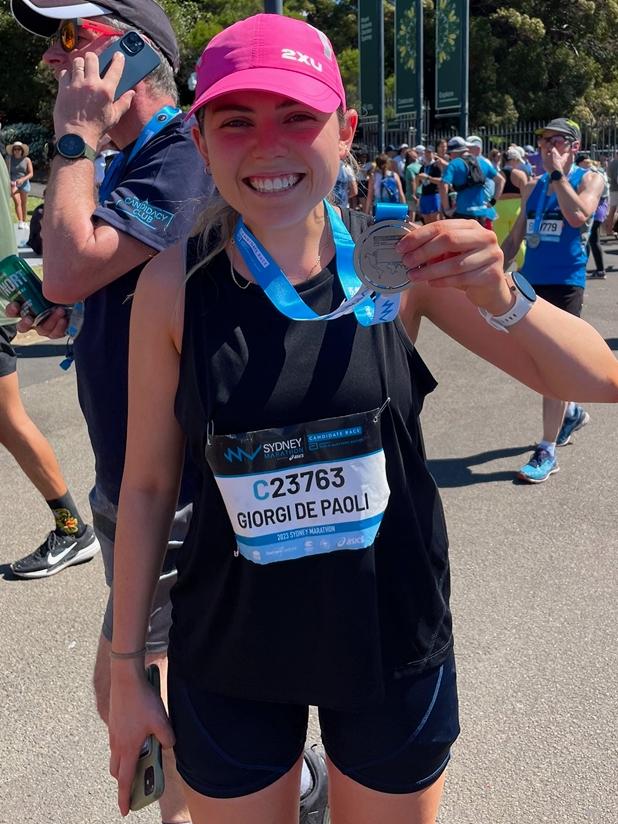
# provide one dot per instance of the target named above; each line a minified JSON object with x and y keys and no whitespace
{"x":540,"y":466}
{"x":571,"y":424}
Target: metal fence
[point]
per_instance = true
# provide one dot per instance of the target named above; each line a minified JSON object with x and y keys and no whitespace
{"x":600,"y":139}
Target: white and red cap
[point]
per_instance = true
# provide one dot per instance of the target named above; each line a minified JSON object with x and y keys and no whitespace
{"x":271,"y":53}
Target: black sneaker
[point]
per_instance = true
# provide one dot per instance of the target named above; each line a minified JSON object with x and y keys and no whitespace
{"x":55,"y":553}
{"x":314,"y":789}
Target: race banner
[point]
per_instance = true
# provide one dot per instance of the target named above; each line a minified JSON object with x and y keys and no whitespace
{"x":371,"y":49}
{"x":408,"y":56}
{"x":451,"y":54}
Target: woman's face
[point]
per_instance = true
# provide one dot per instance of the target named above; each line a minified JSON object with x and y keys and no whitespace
{"x":272,"y":159}
{"x":17,"y":152}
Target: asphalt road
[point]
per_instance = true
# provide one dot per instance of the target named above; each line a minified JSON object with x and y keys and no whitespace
{"x":534,"y":599}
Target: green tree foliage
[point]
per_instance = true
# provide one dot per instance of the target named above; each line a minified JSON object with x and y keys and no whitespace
{"x":543,"y":58}
{"x":529,"y":59}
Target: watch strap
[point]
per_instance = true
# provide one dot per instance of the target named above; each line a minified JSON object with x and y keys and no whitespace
{"x":518,"y":310}
{"x":88,"y":152}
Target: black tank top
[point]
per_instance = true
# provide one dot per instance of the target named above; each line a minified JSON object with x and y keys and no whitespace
{"x":329,"y":629}
{"x":509,"y":187}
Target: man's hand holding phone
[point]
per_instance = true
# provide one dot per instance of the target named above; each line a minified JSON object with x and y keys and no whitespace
{"x":137,"y":717}
{"x":85,"y":103}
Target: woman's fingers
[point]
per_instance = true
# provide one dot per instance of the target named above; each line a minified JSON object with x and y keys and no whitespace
{"x":443,"y":252}
{"x":126,"y":772}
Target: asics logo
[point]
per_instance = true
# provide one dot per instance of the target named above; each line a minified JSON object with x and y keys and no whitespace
{"x":53,"y":559}
{"x":299,"y":57}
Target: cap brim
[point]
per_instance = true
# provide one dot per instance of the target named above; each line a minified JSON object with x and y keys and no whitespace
{"x":278,"y":81}
{"x":43,"y":20}
{"x":568,"y":132}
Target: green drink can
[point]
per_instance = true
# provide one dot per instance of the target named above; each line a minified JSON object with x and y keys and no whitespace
{"x":19,"y":283}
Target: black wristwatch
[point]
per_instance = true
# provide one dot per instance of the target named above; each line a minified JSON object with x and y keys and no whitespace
{"x":73,"y":147}
{"x":556,"y":175}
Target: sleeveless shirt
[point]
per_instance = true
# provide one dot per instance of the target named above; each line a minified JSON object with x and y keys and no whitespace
{"x":19,"y":168}
{"x":329,"y":629}
{"x":559,"y":259}
{"x":509,"y":187}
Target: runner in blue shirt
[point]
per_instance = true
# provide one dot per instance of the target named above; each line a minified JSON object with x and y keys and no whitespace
{"x":555,"y":219}
{"x":473,"y":201}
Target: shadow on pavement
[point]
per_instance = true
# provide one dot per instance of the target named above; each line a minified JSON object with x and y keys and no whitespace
{"x":612,"y":343}
{"x":452,"y":472}
{"x":7,"y":574}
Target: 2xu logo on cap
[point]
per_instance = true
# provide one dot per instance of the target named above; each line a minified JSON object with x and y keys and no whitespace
{"x":299,"y":57}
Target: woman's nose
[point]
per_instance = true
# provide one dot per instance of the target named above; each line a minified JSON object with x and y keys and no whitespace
{"x":269,"y":141}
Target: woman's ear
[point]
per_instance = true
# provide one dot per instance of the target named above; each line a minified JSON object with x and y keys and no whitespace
{"x":347,"y":131}
{"x":200,"y":142}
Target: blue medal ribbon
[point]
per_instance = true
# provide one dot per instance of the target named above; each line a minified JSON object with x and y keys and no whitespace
{"x":114,"y":171}
{"x":368,"y":306}
{"x":538,"y":217}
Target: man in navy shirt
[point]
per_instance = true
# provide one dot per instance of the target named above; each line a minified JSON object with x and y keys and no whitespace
{"x":94,"y":252}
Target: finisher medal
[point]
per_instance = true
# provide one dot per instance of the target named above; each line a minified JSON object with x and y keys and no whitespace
{"x":376,"y":260}
{"x":533,"y":240}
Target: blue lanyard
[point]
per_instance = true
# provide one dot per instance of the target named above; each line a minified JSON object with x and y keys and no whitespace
{"x":543,"y":200}
{"x":156,"y":123}
{"x":540,"y":211}
{"x":368,"y":306}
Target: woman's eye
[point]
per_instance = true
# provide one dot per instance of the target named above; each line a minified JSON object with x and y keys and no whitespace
{"x":235,"y":122}
{"x":300,"y":117}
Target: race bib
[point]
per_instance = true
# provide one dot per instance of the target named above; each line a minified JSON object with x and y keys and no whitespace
{"x":549,"y":230}
{"x":303,"y":490}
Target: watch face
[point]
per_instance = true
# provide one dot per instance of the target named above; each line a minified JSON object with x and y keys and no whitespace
{"x":524,"y":287}
{"x":71,"y":145}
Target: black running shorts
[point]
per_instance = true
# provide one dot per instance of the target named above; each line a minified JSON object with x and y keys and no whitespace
{"x":229,"y":747}
{"x":568,"y":298}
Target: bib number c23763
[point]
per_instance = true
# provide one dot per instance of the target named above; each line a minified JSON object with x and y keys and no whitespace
{"x":303,"y":490}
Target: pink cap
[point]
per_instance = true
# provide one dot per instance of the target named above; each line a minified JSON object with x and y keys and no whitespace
{"x":271,"y":53}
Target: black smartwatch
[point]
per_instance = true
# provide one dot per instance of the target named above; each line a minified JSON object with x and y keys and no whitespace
{"x":73,"y":147}
{"x":556,"y":175}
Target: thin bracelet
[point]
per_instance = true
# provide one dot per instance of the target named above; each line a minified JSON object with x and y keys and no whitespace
{"x":122,"y":655}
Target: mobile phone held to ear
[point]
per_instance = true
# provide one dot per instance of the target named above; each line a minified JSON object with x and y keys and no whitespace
{"x":148,"y":781}
{"x":139,"y":60}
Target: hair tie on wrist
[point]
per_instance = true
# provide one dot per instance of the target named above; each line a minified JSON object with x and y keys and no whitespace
{"x":122,"y":655}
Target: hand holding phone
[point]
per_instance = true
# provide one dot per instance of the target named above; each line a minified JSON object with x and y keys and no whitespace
{"x":139,"y":60}
{"x":148,"y":782}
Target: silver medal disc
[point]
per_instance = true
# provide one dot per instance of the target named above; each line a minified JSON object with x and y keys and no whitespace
{"x":533,"y":240}
{"x":376,"y":260}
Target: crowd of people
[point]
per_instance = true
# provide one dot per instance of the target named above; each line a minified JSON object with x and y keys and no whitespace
{"x":223,"y":422}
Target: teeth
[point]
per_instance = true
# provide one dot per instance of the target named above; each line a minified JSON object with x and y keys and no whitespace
{"x":273,"y":184}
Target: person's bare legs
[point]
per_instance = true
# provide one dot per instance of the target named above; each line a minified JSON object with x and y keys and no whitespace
{"x":15,"y":196}
{"x":277,"y":804}
{"x":29,"y":447}
{"x":23,"y":197}
{"x":351,"y":803}
{"x":173,"y":803}
{"x":553,"y":416}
